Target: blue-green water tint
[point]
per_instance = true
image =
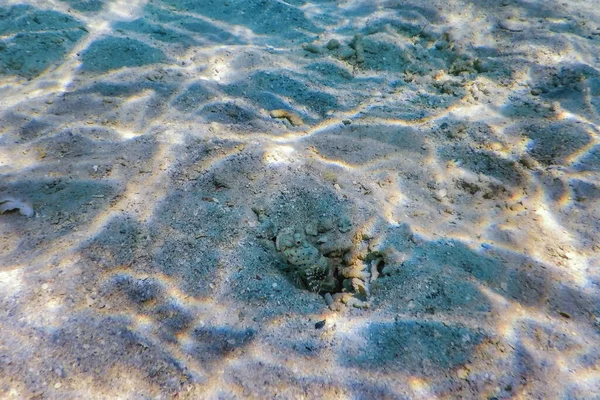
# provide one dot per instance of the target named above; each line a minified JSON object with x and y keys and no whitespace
{"x":202,"y":31}
{"x":260,"y":87}
{"x":86,"y":5}
{"x":193,"y":97}
{"x":265,"y":18}
{"x":115,"y":52}
{"x":155,"y":32}
{"x":415,"y":347}
{"x":172,"y":261}
{"x":20,"y":19}
{"x":43,"y":38}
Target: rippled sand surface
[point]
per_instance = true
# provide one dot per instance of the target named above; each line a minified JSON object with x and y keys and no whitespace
{"x":445,"y":154}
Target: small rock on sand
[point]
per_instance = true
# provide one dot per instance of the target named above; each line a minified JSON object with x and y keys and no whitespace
{"x":293,"y":118}
{"x":511,"y":25}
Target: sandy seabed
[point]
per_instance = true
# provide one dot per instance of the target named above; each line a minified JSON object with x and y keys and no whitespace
{"x":439,"y":160}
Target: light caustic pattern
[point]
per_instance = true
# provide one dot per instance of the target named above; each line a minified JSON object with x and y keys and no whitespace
{"x":464,"y":149}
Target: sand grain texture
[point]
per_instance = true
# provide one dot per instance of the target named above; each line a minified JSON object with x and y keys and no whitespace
{"x":443,"y":157}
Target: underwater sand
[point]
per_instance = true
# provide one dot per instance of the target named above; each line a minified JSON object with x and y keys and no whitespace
{"x":452,"y":146}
